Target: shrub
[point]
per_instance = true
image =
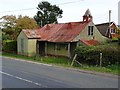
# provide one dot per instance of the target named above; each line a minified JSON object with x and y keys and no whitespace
{"x":91,"y":55}
{"x":115,"y":40}
{"x":119,"y":41}
{"x":10,"y":46}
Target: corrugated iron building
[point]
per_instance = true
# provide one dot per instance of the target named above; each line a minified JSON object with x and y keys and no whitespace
{"x":60,"y":39}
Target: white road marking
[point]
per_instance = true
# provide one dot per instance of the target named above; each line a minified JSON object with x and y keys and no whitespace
{"x":38,"y":84}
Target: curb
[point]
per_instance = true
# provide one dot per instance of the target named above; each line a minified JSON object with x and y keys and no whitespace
{"x":89,"y":72}
{"x":27,"y":61}
{"x":67,"y":68}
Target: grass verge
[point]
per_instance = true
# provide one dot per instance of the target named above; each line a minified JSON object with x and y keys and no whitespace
{"x":65,"y":62}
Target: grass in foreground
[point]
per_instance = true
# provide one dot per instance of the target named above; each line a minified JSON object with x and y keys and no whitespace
{"x":65,"y":62}
{"x":113,"y":69}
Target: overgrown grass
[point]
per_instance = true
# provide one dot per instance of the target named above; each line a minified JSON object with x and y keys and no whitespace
{"x":113,"y":69}
{"x":17,"y":56}
{"x":0,"y":53}
{"x":46,"y":59}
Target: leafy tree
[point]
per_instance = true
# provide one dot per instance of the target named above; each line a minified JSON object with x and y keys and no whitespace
{"x":25,"y":23}
{"x":11,"y":26}
{"x":8,"y":21}
{"x":8,"y":26}
{"x":47,"y":13}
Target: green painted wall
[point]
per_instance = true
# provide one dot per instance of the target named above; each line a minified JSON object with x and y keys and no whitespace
{"x":24,"y":50}
{"x":62,"y":49}
{"x":57,"y":49}
{"x":97,"y":35}
{"x":51,"y":48}
{"x":29,"y":45}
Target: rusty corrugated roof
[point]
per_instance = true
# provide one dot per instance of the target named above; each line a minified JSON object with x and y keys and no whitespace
{"x":31,"y":33}
{"x":90,"y":42}
{"x":62,"y":32}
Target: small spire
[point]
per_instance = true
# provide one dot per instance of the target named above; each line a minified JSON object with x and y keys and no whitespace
{"x":87,"y":13}
{"x":87,"y":16}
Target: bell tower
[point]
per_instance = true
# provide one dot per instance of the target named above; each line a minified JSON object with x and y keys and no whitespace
{"x":87,"y":16}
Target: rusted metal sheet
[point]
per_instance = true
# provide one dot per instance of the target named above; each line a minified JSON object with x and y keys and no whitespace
{"x":65,"y":32}
{"x":62,"y":32}
{"x":90,"y":42}
{"x":31,"y":33}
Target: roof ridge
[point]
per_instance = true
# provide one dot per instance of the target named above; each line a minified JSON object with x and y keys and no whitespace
{"x":104,"y":23}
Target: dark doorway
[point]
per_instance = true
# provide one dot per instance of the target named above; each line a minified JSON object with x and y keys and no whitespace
{"x":42,"y":48}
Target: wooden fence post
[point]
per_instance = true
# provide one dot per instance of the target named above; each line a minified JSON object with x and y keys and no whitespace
{"x":100,"y":59}
{"x":73,"y":59}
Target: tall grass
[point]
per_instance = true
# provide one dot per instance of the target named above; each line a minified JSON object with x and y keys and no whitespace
{"x":60,"y":61}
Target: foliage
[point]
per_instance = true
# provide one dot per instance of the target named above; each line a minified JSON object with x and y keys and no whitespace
{"x":108,"y":69}
{"x":47,"y":13}
{"x":0,"y":40}
{"x":26,"y":23}
{"x":10,"y":46}
{"x":118,"y":33}
{"x":8,"y":21}
{"x":91,"y":55}
{"x":8,"y":26}
{"x":66,"y":63}
{"x":119,"y":41}
{"x":11,"y":26}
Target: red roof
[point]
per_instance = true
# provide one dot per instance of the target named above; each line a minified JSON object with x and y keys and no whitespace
{"x":63,"y":32}
{"x":90,"y":42}
{"x":31,"y":33}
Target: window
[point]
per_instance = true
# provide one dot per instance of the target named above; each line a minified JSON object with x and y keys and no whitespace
{"x":90,"y":30}
{"x":112,"y":31}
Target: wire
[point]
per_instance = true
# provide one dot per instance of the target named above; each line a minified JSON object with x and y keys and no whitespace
{"x":18,"y":10}
{"x":69,"y":2}
{"x":35,"y":8}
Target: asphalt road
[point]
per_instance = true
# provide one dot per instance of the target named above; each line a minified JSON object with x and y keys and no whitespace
{"x":20,"y":74}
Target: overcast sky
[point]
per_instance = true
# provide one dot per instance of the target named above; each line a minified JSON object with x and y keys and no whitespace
{"x":73,"y":10}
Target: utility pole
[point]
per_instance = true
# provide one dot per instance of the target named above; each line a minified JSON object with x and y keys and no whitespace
{"x":119,"y":13}
{"x":109,"y":17}
{"x":109,"y":22}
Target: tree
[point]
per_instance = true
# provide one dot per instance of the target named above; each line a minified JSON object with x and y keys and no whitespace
{"x":11,"y":26}
{"x":47,"y":13}
{"x":26,"y":22}
{"x":8,"y":21}
{"x":8,"y":26}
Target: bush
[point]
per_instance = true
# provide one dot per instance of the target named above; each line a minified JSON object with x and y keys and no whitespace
{"x":91,"y":55}
{"x":119,"y":41}
{"x":10,"y":46}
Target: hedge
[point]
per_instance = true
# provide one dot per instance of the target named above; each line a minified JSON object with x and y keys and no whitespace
{"x":10,"y":46}
{"x":119,"y":41}
{"x":91,"y":55}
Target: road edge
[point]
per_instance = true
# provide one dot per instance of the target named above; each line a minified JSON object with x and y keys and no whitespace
{"x":67,"y":68}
